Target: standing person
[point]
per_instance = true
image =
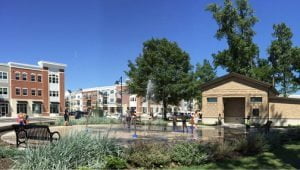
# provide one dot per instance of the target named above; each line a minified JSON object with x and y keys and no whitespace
{"x":26,"y":117}
{"x":174,"y":121}
{"x":128,"y":118}
{"x":200,"y":116}
{"x":192,"y":122}
{"x":184,"y":122}
{"x":66,"y":117}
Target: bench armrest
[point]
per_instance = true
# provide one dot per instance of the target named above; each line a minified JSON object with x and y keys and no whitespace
{"x":55,"y":132}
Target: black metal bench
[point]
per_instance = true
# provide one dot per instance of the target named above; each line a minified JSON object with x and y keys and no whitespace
{"x":35,"y":132}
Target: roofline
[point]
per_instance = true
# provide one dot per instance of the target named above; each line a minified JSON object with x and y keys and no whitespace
{"x":51,"y":63}
{"x":227,"y":76}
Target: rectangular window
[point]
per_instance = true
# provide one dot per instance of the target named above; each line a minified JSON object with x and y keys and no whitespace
{"x":17,"y":76}
{"x":53,"y":93}
{"x":39,"y":92}
{"x":37,"y":108}
{"x":256,"y":99}
{"x":255,"y":112}
{"x":25,"y":92}
{"x":39,"y":78}
{"x":4,"y":91}
{"x":112,"y":100}
{"x":24,"y":76}
{"x":212,"y":100}
{"x":22,"y":108}
{"x":3,"y":75}
{"x":54,"y":108}
{"x":18,"y":91}
{"x":32,"y":77}
{"x":33,"y":92}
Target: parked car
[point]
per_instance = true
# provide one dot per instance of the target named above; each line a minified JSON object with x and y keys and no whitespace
{"x":79,"y":114}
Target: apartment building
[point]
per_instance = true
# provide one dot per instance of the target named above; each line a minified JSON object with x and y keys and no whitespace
{"x":4,"y":90}
{"x":32,"y":89}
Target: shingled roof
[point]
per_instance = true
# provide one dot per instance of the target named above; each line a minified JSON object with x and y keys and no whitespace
{"x":239,"y":78}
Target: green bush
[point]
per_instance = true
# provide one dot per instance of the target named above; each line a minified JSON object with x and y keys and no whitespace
{"x":251,"y":145}
{"x":91,"y":120}
{"x":148,"y":155}
{"x":187,"y":153}
{"x":220,"y":151}
{"x":74,"y":151}
{"x":113,"y":162}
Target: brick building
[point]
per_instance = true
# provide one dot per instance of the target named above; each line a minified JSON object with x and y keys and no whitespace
{"x":32,"y":89}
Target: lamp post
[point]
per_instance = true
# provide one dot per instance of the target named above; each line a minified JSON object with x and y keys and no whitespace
{"x":118,"y":82}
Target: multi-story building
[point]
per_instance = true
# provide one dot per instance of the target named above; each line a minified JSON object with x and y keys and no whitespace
{"x":4,"y":90}
{"x":32,"y":89}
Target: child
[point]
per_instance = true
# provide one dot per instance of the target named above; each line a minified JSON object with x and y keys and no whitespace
{"x":192,"y":122}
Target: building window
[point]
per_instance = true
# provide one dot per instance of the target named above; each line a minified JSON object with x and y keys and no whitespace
{"x":54,"y":108}
{"x":256,"y":99}
{"x":24,"y":76}
{"x":25,"y":92}
{"x":17,"y":76}
{"x":53,"y":78}
{"x":37,"y":108}
{"x":22,"y":108}
{"x":39,"y":92}
{"x":3,"y":91}
{"x":39,"y":78}
{"x":32,"y":77}
{"x":112,"y":100}
{"x":53,"y":93}
{"x":3,"y":75}
{"x":255,"y":112}
{"x":212,"y":100}
{"x":18,"y":91}
{"x":33,"y":92}
{"x":112,"y":92}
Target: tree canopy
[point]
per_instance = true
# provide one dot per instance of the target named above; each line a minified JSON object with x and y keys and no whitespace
{"x":167,"y":66}
{"x":235,"y":25}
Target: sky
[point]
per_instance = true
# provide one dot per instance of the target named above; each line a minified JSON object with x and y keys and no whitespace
{"x":96,"y":38}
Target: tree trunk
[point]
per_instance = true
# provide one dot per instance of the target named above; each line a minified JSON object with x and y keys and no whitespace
{"x":284,"y":85}
{"x":165,"y":109}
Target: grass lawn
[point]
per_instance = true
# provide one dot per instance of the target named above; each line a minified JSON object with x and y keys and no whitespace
{"x":286,"y":157}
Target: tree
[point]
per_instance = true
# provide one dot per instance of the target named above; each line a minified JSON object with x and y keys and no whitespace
{"x":203,"y":73}
{"x":167,"y":66}
{"x":296,"y":63}
{"x":281,"y":55}
{"x":263,"y":70}
{"x":235,"y":25}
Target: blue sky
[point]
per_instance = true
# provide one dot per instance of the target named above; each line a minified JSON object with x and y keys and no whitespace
{"x":96,"y":38}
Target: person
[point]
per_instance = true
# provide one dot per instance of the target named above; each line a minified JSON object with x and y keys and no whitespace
{"x":200,"y":117}
{"x":20,"y":119}
{"x":26,"y":117}
{"x":192,"y":122}
{"x":66,"y":117}
{"x":128,"y":118}
{"x":184,"y":122}
{"x":219,"y":119}
{"x":174,"y":121}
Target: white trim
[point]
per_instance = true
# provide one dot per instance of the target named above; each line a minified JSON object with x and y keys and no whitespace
{"x":23,"y":66}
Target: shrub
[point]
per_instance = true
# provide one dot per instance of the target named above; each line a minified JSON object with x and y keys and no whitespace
{"x":220,"y":151}
{"x":113,"y":162}
{"x":148,"y":155}
{"x":91,"y":120}
{"x":251,"y":145}
{"x":189,"y":153}
{"x":76,"y":150}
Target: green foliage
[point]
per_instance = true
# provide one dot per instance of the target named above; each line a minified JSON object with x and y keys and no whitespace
{"x":282,"y":55}
{"x":235,"y":25}
{"x":113,"y":162}
{"x":76,"y":150}
{"x":91,"y":120}
{"x":220,"y":151}
{"x":157,"y":122}
{"x":251,"y":145}
{"x":167,"y":66}
{"x":189,"y":153}
{"x":203,"y":73}
{"x":149,"y":155}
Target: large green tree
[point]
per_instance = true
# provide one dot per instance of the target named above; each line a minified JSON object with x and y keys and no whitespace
{"x":203,"y":73}
{"x":282,"y":56}
{"x":168,"y":68}
{"x":235,"y":25}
